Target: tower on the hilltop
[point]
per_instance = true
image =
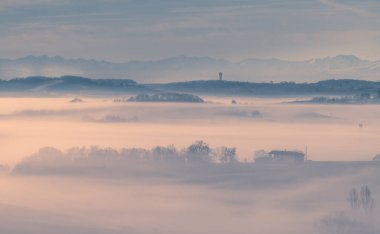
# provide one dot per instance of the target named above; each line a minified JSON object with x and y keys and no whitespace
{"x":220,"y":75}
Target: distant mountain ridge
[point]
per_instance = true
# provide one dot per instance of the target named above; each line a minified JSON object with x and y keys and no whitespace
{"x":184,"y":68}
{"x":74,"y":84}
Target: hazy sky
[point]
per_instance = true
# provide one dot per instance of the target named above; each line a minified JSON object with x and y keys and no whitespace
{"x":122,"y":30}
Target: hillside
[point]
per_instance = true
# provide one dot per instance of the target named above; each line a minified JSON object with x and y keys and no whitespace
{"x":70,"y":84}
{"x":329,"y":87}
{"x":39,"y":84}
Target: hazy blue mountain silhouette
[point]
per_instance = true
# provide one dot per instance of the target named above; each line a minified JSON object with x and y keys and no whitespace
{"x":183,"y":68}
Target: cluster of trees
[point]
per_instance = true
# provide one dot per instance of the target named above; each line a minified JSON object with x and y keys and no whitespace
{"x":359,"y":98}
{"x":361,"y":199}
{"x":353,"y":223}
{"x":197,"y":153}
{"x":166,"y":97}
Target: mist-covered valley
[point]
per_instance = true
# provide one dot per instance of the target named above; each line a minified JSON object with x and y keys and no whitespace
{"x":331,"y":132}
{"x":97,"y":165}
{"x":183,"y":117}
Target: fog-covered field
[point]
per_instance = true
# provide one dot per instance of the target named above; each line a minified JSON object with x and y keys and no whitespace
{"x":331,"y":132}
{"x":103,"y":174}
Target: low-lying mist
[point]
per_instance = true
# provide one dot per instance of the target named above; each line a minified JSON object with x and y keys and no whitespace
{"x":103,"y":190}
{"x":330,"y":132}
{"x":96,"y":166}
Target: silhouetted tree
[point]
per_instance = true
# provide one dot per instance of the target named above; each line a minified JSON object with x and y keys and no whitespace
{"x":161,"y":153}
{"x":362,"y":200}
{"x":367,"y":202}
{"x":353,"y":198}
{"x":199,"y":151}
{"x":227,"y":154}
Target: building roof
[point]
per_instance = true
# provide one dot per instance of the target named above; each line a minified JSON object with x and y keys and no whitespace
{"x":286,"y":153}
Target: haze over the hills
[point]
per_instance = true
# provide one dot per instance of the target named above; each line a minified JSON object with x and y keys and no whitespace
{"x":183,"y":68}
{"x":115,"y":118}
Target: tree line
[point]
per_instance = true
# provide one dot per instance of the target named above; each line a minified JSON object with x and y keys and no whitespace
{"x":198,"y":152}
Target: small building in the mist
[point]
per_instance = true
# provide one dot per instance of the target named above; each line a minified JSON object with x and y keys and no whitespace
{"x":287,"y":156}
{"x":279,"y":156}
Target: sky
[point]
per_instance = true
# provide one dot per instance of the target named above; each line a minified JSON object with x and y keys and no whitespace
{"x":123,"y":30}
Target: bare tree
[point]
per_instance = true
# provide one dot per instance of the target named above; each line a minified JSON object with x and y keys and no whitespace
{"x":227,"y":154}
{"x":166,"y":154}
{"x":353,"y":198}
{"x":362,"y":200}
{"x":366,"y":200}
{"x":199,"y":151}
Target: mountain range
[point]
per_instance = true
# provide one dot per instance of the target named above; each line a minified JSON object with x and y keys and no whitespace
{"x":183,"y":68}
